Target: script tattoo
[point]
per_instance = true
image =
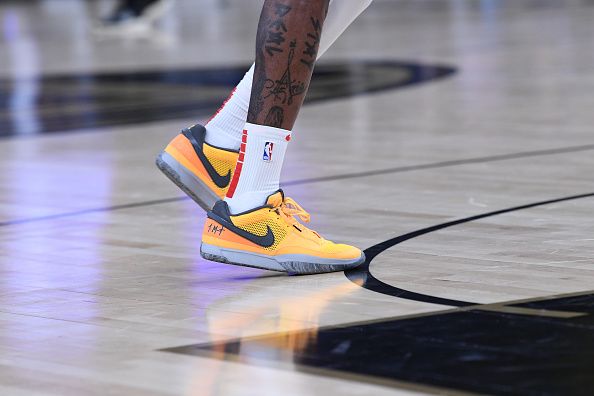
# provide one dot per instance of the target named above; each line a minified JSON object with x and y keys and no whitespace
{"x":275,"y":117}
{"x":312,"y":43}
{"x":285,"y":89}
{"x":269,"y":39}
{"x":288,"y":38}
{"x":277,"y":30}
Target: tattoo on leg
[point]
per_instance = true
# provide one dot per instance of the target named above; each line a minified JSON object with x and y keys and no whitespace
{"x":270,"y":37}
{"x":275,"y":117}
{"x":285,"y":88}
{"x":311,"y":44}
{"x":277,"y":30}
{"x":287,"y":42}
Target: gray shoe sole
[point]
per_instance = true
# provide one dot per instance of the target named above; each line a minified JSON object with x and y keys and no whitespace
{"x":186,"y":180}
{"x":291,"y":263}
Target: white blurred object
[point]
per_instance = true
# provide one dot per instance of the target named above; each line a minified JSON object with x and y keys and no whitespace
{"x":129,"y":23}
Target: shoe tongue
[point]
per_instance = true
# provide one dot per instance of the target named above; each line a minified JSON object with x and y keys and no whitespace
{"x":275,"y":199}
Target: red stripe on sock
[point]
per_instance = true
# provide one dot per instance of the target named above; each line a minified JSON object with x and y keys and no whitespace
{"x":238,"y":166}
{"x":233,"y":186}
{"x":222,"y":106}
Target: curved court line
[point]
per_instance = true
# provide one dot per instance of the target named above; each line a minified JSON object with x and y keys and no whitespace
{"x":433,"y":165}
{"x":363,"y":277}
{"x":97,"y":109}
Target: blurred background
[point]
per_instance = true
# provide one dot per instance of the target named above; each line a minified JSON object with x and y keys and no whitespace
{"x":103,"y":62}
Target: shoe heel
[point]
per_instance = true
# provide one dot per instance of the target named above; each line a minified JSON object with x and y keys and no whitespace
{"x":237,"y":257}
{"x":212,"y":253}
{"x":186,"y":181}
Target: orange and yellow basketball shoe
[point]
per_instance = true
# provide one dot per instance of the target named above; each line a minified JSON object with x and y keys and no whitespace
{"x":202,"y":171}
{"x":270,"y":237}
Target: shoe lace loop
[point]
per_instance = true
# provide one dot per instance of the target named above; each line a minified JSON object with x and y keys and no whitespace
{"x":291,"y":208}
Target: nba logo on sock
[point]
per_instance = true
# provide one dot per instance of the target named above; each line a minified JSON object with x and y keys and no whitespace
{"x":268,"y":151}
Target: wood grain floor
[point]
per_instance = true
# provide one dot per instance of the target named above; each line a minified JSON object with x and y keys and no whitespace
{"x":99,"y":253}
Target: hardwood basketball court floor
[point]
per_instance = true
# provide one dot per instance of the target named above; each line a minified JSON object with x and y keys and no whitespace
{"x":452,"y":140}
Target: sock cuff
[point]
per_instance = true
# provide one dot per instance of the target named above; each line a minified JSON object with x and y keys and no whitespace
{"x":267,"y":132}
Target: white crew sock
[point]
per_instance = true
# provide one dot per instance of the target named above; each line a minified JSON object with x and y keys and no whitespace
{"x":258,"y":169}
{"x":225,"y":128}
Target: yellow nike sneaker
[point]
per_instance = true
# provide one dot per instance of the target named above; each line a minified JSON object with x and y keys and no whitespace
{"x":202,"y":171}
{"x":270,"y":237}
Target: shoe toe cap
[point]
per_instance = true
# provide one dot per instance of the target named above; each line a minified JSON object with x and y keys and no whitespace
{"x":343,"y":252}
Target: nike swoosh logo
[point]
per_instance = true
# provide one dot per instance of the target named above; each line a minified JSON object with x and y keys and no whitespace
{"x":264,"y":241}
{"x":197,"y":142}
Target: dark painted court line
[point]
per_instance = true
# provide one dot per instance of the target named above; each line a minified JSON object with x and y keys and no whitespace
{"x":83,"y":102}
{"x":93,"y":210}
{"x":434,"y":165}
{"x":444,"y":164}
{"x":363,"y":277}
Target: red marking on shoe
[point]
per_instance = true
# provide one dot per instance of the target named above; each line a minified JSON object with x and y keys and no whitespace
{"x":288,"y":138}
{"x":238,"y":166}
{"x":222,"y":106}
